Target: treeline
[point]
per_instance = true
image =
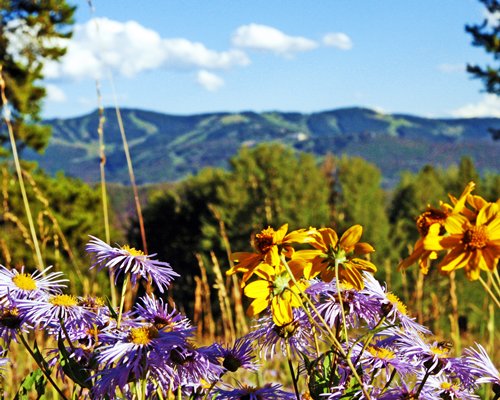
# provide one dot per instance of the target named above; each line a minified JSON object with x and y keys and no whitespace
{"x":205,"y":216}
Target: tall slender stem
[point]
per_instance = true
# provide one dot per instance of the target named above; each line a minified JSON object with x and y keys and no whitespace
{"x":292,"y":372}
{"x":41,"y":366}
{"x":122,"y":300}
{"x":488,"y":290}
{"x":7,"y":115}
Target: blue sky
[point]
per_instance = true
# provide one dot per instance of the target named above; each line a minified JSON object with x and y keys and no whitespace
{"x":185,"y":57}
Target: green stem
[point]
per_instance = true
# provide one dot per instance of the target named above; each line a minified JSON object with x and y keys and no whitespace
{"x":427,"y":374}
{"x":342,"y":311}
{"x":66,"y":334}
{"x":488,"y":290}
{"x":292,"y":372}
{"x":122,"y":300}
{"x":41,"y":366}
{"x":393,"y":374}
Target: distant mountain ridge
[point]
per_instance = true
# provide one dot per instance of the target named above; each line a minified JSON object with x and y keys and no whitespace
{"x":169,"y":147}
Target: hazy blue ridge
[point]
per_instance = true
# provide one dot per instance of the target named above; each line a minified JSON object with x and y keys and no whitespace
{"x":169,"y":147}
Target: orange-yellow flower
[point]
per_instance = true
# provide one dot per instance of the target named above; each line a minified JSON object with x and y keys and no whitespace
{"x":275,"y":289}
{"x":474,"y":246}
{"x":332,"y":253}
{"x":436,"y":217}
{"x":270,"y":245}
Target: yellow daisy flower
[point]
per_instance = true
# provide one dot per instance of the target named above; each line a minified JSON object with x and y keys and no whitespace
{"x":474,"y":246}
{"x":331,"y":253}
{"x":436,"y":218}
{"x":275,"y":289}
{"x":269,"y":245}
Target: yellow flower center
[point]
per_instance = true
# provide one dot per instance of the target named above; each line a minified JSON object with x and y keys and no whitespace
{"x":381,"y":353}
{"x":446,"y":385}
{"x":24,"y":282}
{"x":264,"y":241}
{"x":132,"y":250}
{"x":440,"y":351}
{"x":143,"y":335}
{"x":475,"y":237}
{"x":63,"y":300}
{"x":397,"y":303}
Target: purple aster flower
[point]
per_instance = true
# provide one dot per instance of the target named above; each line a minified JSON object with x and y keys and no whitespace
{"x":236,"y":357}
{"x":21,"y":285}
{"x":156,"y":312}
{"x":192,"y":366}
{"x":445,"y":388}
{"x":433,"y":357}
{"x":134,"y":353}
{"x":377,"y":357}
{"x":297,"y":333}
{"x":391,"y":306}
{"x":244,"y":392}
{"x":50,"y":312}
{"x":358,"y":308}
{"x":481,"y":366}
{"x":127,"y":260}
{"x":11,"y":323}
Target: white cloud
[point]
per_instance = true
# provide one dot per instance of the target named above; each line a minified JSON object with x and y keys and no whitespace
{"x":451,"y":68}
{"x":489,"y":106}
{"x":267,"y":38}
{"x":55,"y":94}
{"x":102,"y":45}
{"x":209,"y":81}
{"x":337,"y":39}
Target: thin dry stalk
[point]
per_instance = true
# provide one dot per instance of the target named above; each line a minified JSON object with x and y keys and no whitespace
{"x":7,"y":119}
{"x":224,"y":301}
{"x":7,"y":258}
{"x":208,"y":319}
{"x":241,"y":322}
{"x":436,"y":314}
{"x":198,"y":308}
{"x":419,"y":295}
{"x":131,"y":173}
{"x":455,"y":331}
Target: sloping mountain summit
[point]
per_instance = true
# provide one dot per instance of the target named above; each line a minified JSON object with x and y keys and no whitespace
{"x":169,"y":147}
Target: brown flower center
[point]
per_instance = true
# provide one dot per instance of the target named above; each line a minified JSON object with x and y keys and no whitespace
{"x":475,"y":237}
{"x":429,"y":217}
{"x":264,"y":241}
{"x":9,"y":318}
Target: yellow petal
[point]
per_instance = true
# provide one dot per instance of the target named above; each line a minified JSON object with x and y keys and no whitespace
{"x":454,"y":224}
{"x":351,"y":237}
{"x":487,"y":214}
{"x":460,"y":203}
{"x":363,"y":248}
{"x":280,"y":233}
{"x":257,"y":306}
{"x":257,"y":289}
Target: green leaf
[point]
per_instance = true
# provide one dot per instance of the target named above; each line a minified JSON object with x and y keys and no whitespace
{"x":72,"y":368}
{"x":35,"y":380}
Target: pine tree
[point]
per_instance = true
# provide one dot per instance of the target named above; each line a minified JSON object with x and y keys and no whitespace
{"x":30,"y":33}
{"x":487,"y":36}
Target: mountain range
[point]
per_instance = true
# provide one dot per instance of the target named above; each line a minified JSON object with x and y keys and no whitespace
{"x":167,"y":147}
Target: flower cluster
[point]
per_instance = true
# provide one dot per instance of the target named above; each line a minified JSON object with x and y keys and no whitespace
{"x":343,"y":334}
{"x":468,"y":231}
{"x":284,"y":273}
